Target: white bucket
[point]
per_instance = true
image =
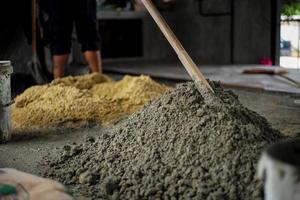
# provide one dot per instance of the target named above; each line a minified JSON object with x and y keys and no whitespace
{"x":279,"y":166}
{"x":5,"y":100}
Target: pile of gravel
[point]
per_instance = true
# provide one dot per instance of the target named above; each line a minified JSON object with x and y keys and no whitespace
{"x":177,"y":147}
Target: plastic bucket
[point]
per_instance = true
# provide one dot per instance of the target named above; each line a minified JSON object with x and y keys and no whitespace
{"x":5,"y":100}
{"x":279,"y":166}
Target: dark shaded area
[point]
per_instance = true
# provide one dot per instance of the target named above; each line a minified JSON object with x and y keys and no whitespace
{"x":20,"y":82}
{"x":287,"y":152}
{"x":15,"y":21}
{"x":121,"y":38}
{"x":229,"y":12}
{"x":14,"y":14}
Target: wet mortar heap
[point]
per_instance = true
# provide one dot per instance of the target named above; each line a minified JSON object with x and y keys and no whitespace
{"x":176,"y":147}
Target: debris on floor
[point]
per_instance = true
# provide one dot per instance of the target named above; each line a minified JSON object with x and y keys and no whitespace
{"x":176,"y":147}
{"x":75,"y":101}
{"x":15,"y":184}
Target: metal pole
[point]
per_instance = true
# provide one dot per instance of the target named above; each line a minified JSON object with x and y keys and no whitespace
{"x":5,"y":99}
{"x":298,"y":53}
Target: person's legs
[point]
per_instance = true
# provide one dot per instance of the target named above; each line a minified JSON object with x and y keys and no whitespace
{"x":59,"y":63}
{"x":94,"y":60}
{"x":87,"y":33}
{"x":61,"y":25}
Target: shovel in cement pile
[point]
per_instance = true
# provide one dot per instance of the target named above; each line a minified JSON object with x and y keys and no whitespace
{"x":190,"y":66}
{"x":271,"y":71}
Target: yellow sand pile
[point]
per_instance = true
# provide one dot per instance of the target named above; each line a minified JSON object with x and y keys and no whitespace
{"x":83,"y":99}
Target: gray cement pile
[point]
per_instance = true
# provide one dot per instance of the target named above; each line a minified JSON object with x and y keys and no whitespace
{"x":177,"y":147}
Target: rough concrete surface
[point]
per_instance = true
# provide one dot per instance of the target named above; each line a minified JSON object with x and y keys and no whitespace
{"x":182,"y":146}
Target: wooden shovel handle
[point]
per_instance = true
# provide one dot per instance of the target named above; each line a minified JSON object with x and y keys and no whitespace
{"x":268,"y":71}
{"x":33,"y":25}
{"x":183,"y":56}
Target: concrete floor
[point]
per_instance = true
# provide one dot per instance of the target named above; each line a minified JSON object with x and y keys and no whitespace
{"x":26,"y":154}
{"x":26,"y":151}
{"x":282,"y":111}
{"x":230,"y":75}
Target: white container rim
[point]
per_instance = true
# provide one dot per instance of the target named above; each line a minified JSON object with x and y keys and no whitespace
{"x":5,"y":62}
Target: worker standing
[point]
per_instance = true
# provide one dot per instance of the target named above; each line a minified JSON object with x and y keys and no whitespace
{"x":61,"y":15}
